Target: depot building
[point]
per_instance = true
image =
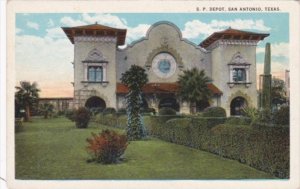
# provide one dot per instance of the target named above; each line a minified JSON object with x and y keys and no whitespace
{"x":228,"y":58}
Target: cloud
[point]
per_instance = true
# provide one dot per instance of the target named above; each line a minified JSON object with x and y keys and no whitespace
{"x":54,"y":33}
{"x":133,"y":33}
{"x":68,"y":21}
{"x":196,"y":28}
{"x":105,"y":19}
{"x":137,"y":32}
{"x":50,"y":23}
{"x":241,"y":24}
{"x":46,"y":61}
{"x":32,"y":25}
{"x":277,"y":50}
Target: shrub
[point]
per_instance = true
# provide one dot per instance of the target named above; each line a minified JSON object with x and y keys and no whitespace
{"x":252,"y":113}
{"x":60,"y":113}
{"x":148,"y":111}
{"x":214,"y":112}
{"x":264,"y":147}
{"x":107,"y":147}
{"x":82,"y":117}
{"x":282,"y":116}
{"x":265,"y":115}
{"x":167,"y":111}
{"x":70,"y":114}
{"x":242,"y":120}
{"x":109,"y":110}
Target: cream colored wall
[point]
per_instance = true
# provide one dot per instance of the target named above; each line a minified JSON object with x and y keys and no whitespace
{"x":220,"y":57}
{"x":191,"y":55}
{"x":85,"y":90}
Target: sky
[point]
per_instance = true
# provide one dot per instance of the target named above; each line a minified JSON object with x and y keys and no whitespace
{"x":44,"y":53}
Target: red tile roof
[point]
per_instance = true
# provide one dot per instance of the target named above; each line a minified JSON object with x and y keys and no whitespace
{"x":232,"y":34}
{"x":163,"y":88}
{"x":95,"y":30}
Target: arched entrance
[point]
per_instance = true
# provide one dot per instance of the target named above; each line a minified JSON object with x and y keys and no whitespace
{"x":237,"y":105}
{"x":95,"y":102}
{"x":169,"y":103}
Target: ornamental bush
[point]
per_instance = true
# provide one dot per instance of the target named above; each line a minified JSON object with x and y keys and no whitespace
{"x":107,"y":147}
{"x":82,"y":117}
{"x":282,"y":116}
{"x":167,"y":111}
{"x":214,"y":112}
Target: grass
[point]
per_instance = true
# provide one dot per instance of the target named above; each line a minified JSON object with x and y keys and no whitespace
{"x":55,"y":149}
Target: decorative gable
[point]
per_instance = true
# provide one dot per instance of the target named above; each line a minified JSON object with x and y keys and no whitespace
{"x":238,"y":59}
{"x":95,"y":56}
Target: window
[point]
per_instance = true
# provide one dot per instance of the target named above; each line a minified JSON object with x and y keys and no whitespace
{"x":239,"y":71}
{"x":95,"y":73}
{"x":239,"y":75}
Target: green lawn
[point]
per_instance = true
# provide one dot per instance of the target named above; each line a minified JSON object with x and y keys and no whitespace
{"x":55,"y":149}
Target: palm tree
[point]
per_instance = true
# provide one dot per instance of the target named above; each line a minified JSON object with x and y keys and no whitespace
{"x":27,"y":96}
{"x":46,"y":109}
{"x":193,"y":87}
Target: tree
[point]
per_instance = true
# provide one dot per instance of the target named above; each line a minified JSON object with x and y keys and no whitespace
{"x":26,"y":97}
{"x":46,"y":109}
{"x":135,"y":78}
{"x":278,"y":89}
{"x":193,"y":87}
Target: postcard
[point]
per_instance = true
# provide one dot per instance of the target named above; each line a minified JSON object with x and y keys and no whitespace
{"x":138,"y":94}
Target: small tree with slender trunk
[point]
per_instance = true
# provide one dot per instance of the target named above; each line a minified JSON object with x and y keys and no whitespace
{"x":135,"y":78}
{"x":46,"y":110}
{"x":193,"y":87}
{"x":26,"y":96}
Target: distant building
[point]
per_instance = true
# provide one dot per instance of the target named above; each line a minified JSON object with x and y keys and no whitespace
{"x":228,"y":57}
{"x":59,"y":104}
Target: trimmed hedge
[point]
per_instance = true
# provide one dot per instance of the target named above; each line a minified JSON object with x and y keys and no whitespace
{"x":282,"y":116}
{"x":182,"y":130}
{"x":214,"y":112}
{"x":264,"y":148}
{"x":167,"y":111}
{"x":241,"y":120}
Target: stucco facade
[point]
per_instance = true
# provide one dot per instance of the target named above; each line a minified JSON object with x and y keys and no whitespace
{"x":228,"y":58}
